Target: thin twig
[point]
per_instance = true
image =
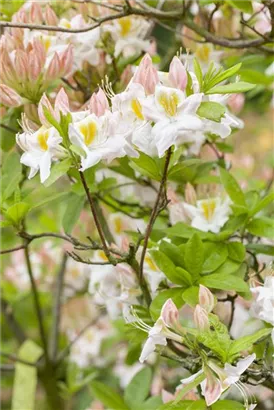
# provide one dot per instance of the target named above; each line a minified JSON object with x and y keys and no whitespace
{"x":16,"y":359}
{"x":17,"y":248}
{"x":57,"y":309}
{"x":12,"y":322}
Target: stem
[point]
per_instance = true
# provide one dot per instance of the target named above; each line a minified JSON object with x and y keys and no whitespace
{"x":108,"y":235}
{"x":154,"y":214}
{"x":12,"y":322}
{"x":94,"y":213}
{"x":57,"y":309}
{"x":37,"y":304}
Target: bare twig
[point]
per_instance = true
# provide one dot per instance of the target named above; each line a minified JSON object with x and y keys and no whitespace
{"x":17,"y":248}
{"x":14,"y":358}
{"x":12,"y":322}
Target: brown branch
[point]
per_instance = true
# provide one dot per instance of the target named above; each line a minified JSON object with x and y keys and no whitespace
{"x":154,"y":214}
{"x":16,"y":359}
{"x":12,"y":322}
{"x":18,"y":248}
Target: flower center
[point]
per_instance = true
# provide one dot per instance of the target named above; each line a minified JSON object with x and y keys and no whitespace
{"x":89,"y":131}
{"x":208,"y":208}
{"x":137,"y":108}
{"x":203,"y":53}
{"x":42,"y":138}
{"x":102,"y":255}
{"x":118,"y":225}
{"x":46,"y":40}
{"x":169,"y":103}
{"x":125,"y":25}
{"x":65,"y":23}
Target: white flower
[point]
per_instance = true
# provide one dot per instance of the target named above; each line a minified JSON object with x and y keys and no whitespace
{"x":158,"y":334}
{"x":263,"y":305}
{"x":129,"y":33}
{"x":209,"y":214}
{"x":41,"y":148}
{"x":218,"y":379}
{"x":98,"y":139}
{"x":152,"y":273}
{"x":173,"y":114}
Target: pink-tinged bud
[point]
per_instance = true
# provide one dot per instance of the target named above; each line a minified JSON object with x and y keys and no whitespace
{"x":21,"y":65}
{"x":206,"y":299}
{"x":190,"y":194}
{"x":36,"y":15}
{"x":50,"y":16}
{"x":61,"y":103}
{"x":211,"y":388}
{"x":177,"y":74}
{"x":170,"y":314}
{"x":66,"y":61}
{"x":146,"y":75}
{"x":201,"y":318}
{"x":9,"y":97}
{"x":45,"y":104}
{"x":166,"y":396}
{"x":39,"y":50}
{"x":53,"y":69}
{"x":236,"y":102}
{"x":126,"y":75}
{"x":35,"y":66}
{"x":98,"y":103}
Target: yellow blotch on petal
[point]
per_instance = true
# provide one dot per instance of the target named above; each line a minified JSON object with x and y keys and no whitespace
{"x":169,"y":103}
{"x":209,"y":207}
{"x":42,"y":139}
{"x":137,"y":109}
{"x":151,"y":264}
{"x":102,"y":255}
{"x":118,"y":225}
{"x":125,"y":25}
{"x":203,"y":53}
{"x":46,"y":40}
{"x":89,"y":131}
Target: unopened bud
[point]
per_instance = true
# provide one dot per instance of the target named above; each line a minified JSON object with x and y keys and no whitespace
{"x":50,"y":16}
{"x":21,"y":65}
{"x":177,"y":74}
{"x":98,"y":103}
{"x":53,"y":69}
{"x":9,"y":97}
{"x":206,"y":299}
{"x":236,"y":102}
{"x":170,"y":314}
{"x":201,"y":318}
{"x":190,"y":194}
{"x":146,"y":75}
{"x":36,"y":15}
{"x":61,"y":103}
{"x":66,"y":61}
{"x":44,"y":104}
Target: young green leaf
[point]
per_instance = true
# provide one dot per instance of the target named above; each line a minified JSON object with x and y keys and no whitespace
{"x":211,"y":110}
{"x":198,"y":72}
{"x":138,"y":389}
{"x":173,"y":252}
{"x":17,"y":212}
{"x":215,"y":255}
{"x":262,"y":227}
{"x":74,"y":207}
{"x":236,"y":251}
{"x":224,"y":282}
{"x":245,"y":342}
{"x":167,"y":267}
{"x":239,"y":87}
{"x":194,"y":255}
{"x":232,"y":187}
{"x":109,"y":397}
{"x":268,"y":199}
{"x":146,"y":166}
{"x":191,"y":296}
{"x":223,"y":75}
{"x":58,"y":170}
{"x":174,"y":293}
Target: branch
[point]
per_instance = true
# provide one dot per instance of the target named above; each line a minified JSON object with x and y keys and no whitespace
{"x":16,"y":359}
{"x":12,"y":322}
{"x":154,"y":214}
{"x":57,"y":309}
{"x":17,"y":248}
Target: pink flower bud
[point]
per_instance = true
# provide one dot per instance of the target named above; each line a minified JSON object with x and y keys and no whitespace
{"x":36,"y":15}
{"x":211,"y":388}
{"x":201,"y":318}
{"x":66,"y":61}
{"x":146,"y":75}
{"x":53,"y":69}
{"x":44,"y":103}
{"x":39,"y":50}
{"x":206,"y":299}
{"x":177,"y":74}
{"x":98,"y":103}
{"x":61,"y":103}
{"x":236,"y":102}
{"x":50,"y":16}
{"x":21,"y":65}
{"x":9,"y":97}
{"x":35,"y":66}
{"x":170,"y":314}
{"x":190,"y":194}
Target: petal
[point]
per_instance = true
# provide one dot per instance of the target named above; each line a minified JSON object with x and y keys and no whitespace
{"x":45,"y":167}
{"x":211,"y":389}
{"x":148,"y":348}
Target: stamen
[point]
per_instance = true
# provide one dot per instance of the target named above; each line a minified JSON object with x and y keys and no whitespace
{"x":107,"y":87}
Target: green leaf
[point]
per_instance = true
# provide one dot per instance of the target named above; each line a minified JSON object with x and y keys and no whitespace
{"x":224,"y":282}
{"x":199,"y":74}
{"x":191,"y":296}
{"x":260,"y":248}
{"x":173,"y":252}
{"x":232,"y":187}
{"x":194,"y":255}
{"x":107,"y":396}
{"x":138,"y":389}
{"x":146,"y":166}
{"x":243,"y":5}
{"x":47,"y":200}
{"x":174,"y":293}
{"x":215,"y":255}
{"x":227,"y":405}
{"x":25,"y":379}
{"x":11,"y":174}
{"x":239,"y":87}
{"x":211,"y":110}
{"x":262,"y":227}
{"x":245,"y":342}
{"x":228,"y":267}
{"x":182,"y":230}
{"x":167,"y":267}
{"x":74,"y":207}
{"x":236,"y":251}
{"x":223,"y":75}
{"x":57,"y":171}
{"x":152,"y":403}
{"x":189,"y":387}
{"x":268,"y":199}
{"x":17,"y":212}
{"x":185,"y":275}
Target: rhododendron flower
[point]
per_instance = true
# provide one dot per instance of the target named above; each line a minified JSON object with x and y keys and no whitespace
{"x":263,"y":304}
{"x":218,"y":379}
{"x":173,"y":114}
{"x":41,"y":148}
{"x":159,"y":333}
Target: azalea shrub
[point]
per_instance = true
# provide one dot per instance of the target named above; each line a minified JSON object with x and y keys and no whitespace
{"x":136,"y":245}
